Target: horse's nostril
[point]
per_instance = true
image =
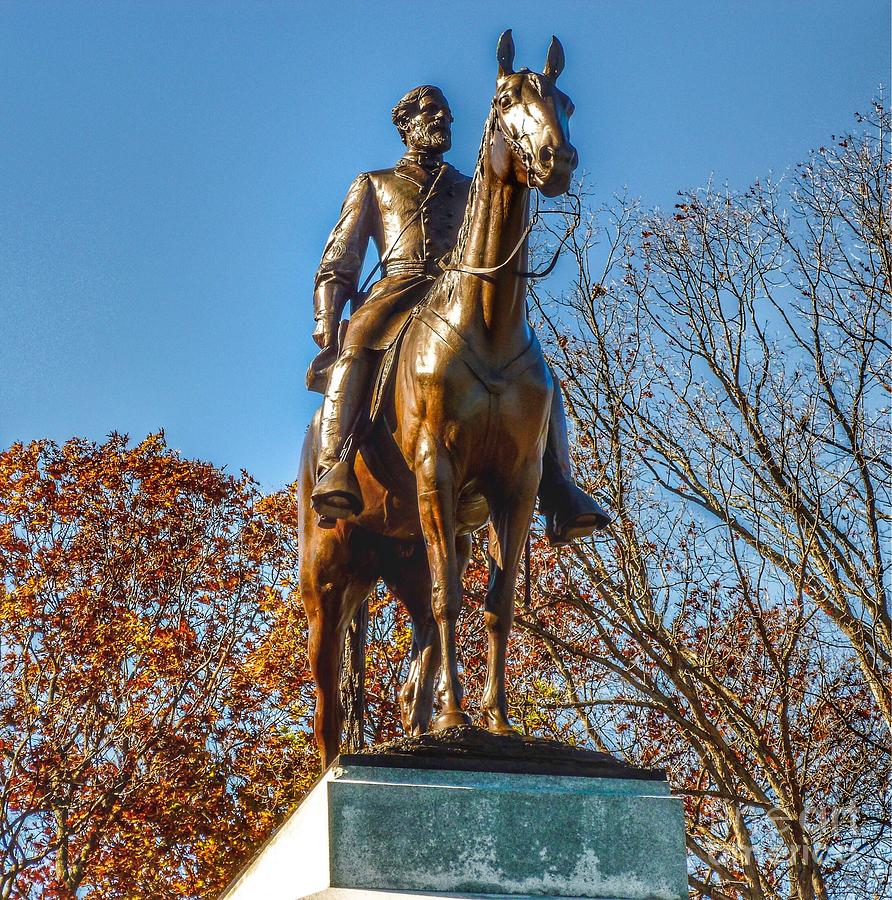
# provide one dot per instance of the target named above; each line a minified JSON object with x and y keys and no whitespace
{"x":566,"y":157}
{"x":546,"y":154}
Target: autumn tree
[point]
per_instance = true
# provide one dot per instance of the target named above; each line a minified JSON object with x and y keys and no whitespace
{"x":153,"y":686}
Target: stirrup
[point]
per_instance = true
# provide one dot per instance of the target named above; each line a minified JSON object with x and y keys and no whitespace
{"x":337,"y":494}
{"x":561,"y":534}
{"x":571,"y":515}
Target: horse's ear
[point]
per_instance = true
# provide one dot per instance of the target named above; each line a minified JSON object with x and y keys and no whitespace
{"x":505,"y":54}
{"x":554,"y":63}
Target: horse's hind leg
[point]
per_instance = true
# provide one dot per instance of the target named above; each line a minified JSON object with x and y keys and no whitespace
{"x":334,"y":582}
{"x":408,"y":576}
{"x":511,"y":521}
{"x":406,"y":572}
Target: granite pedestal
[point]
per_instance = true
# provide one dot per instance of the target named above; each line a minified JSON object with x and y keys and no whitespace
{"x":375,"y":827}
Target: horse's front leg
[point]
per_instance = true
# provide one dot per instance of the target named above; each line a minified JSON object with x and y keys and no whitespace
{"x":511,"y":524}
{"x":437,"y":494}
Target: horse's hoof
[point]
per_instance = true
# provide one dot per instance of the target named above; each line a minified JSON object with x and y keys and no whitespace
{"x":450,"y":720}
{"x":498,"y":724}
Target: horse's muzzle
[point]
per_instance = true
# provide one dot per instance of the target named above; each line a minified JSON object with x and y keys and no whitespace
{"x":555,"y":169}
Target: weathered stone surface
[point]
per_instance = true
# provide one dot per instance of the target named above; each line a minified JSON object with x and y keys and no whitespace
{"x":369,"y":830}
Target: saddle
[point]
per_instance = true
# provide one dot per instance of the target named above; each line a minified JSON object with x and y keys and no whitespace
{"x":381,"y":382}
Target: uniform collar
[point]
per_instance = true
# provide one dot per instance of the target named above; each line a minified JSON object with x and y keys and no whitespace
{"x":430,"y":162}
{"x":420,"y":169}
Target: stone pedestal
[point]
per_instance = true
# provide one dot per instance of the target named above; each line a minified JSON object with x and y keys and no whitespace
{"x":376,"y":827}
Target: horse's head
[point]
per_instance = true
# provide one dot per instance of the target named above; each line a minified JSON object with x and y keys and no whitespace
{"x":532,"y":140}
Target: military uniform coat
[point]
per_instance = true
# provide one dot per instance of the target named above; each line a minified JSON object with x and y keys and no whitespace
{"x":384,"y":206}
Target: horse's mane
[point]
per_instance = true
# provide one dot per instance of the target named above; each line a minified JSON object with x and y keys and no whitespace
{"x":464,"y":233}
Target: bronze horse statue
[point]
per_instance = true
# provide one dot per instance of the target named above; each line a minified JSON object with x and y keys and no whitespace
{"x":461,"y":435}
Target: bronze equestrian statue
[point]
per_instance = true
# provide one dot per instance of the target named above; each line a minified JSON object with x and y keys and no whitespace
{"x":469,"y":425}
{"x":412,"y":212}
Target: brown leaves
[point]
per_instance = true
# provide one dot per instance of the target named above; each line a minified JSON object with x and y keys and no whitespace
{"x":151,"y":689}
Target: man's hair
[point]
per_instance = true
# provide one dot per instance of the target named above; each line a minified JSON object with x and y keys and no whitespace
{"x":408,"y":107}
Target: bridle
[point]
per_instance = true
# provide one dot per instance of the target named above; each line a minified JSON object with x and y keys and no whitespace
{"x":525,"y":157}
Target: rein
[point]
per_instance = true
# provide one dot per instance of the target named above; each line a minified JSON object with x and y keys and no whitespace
{"x":526,"y":158}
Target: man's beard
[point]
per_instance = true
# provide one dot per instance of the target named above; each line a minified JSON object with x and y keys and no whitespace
{"x":429,"y":138}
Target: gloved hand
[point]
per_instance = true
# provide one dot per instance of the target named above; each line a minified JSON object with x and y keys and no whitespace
{"x":326,"y":332}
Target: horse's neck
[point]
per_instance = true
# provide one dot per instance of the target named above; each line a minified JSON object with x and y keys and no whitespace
{"x":490,"y":310}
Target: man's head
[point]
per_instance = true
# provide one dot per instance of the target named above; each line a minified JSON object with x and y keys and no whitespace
{"x":424,"y":120}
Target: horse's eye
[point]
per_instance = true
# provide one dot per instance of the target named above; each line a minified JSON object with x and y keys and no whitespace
{"x":505,"y":101}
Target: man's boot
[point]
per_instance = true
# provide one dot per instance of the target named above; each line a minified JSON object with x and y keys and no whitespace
{"x":569,"y":512}
{"x":337,"y":494}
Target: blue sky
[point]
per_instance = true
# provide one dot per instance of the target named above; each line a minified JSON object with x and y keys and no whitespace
{"x":169,"y":171}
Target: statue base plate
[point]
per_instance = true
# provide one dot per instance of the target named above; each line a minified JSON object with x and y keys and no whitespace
{"x":399,"y":825}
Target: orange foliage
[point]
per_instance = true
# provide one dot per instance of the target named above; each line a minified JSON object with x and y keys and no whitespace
{"x":153,"y":691}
